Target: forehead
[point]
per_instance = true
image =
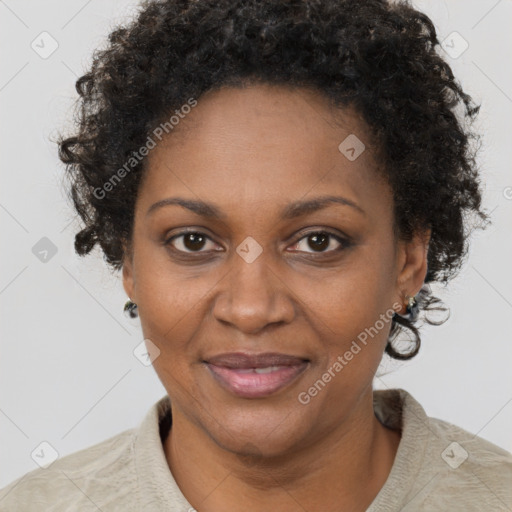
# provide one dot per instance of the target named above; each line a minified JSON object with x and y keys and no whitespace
{"x":243,"y":148}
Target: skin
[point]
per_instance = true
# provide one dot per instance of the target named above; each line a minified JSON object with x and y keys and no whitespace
{"x":251,"y":152}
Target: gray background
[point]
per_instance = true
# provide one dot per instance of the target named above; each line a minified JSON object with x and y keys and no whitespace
{"x":68,"y":375}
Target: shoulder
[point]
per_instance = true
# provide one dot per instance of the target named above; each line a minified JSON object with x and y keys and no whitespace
{"x":473,"y":472}
{"x":439,"y":465}
{"x":461,"y":471}
{"x":81,"y":480}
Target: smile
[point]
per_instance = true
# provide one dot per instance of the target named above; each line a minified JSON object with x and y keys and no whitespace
{"x":255,"y":376}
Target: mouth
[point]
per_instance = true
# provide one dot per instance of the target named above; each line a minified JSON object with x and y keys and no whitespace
{"x":255,"y":375}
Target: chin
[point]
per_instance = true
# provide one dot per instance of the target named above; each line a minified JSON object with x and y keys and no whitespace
{"x":260,"y":432}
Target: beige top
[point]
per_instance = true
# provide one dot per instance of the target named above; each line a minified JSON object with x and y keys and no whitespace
{"x":438,"y":467}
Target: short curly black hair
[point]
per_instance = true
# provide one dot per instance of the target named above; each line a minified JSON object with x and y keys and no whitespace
{"x":381,"y":58}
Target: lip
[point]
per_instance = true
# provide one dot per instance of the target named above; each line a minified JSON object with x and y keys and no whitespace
{"x":237,"y":372}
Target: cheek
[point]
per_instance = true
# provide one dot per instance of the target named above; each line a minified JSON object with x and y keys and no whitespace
{"x":353,"y":310}
{"x":172,"y":315}
{"x":172,"y":306}
{"x":352,"y":340}
{"x":353,"y":297}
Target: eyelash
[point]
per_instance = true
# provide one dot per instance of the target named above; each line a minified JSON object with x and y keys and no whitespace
{"x":344,"y":242}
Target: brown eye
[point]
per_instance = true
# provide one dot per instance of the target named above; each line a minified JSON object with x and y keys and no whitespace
{"x":319,"y":242}
{"x":192,"y":241}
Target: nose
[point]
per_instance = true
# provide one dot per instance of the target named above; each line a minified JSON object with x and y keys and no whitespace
{"x":253,"y":296}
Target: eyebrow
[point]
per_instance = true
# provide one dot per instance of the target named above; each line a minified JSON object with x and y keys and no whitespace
{"x":290,"y":211}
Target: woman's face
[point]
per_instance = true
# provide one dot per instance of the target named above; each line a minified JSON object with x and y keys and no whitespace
{"x":274,"y":275}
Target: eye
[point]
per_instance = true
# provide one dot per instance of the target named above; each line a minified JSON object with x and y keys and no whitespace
{"x":320,"y":242}
{"x":190,"y":242}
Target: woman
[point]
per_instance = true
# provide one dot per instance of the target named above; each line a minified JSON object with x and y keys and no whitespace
{"x":279,"y":182}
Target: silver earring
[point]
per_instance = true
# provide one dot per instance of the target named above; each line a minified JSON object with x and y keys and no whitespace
{"x":412,"y":308}
{"x":130,"y":309}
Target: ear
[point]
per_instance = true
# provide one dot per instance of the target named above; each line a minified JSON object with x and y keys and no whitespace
{"x":412,"y":261}
{"x":128,"y":275}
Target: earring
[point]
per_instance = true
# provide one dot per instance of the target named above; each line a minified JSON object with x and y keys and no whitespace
{"x":411,"y":302}
{"x":130,"y":309}
{"x":412,"y":308}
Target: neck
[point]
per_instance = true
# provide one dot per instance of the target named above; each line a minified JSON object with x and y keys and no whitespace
{"x":344,"y":469}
